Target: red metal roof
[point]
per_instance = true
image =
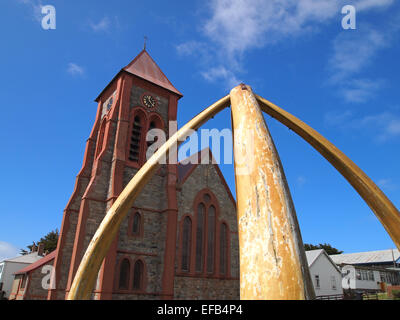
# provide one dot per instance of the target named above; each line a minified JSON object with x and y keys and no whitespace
{"x":38,"y":263}
{"x":145,"y":67}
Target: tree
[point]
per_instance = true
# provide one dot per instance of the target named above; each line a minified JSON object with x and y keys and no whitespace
{"x":49,"y":241}
{"x":327,"y":247}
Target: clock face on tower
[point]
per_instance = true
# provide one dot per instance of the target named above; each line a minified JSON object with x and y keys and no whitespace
{"x":149,"y":101}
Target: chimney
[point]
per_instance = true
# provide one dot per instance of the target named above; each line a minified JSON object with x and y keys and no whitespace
{"x":40,"y":249}
{"x":34,"y":248}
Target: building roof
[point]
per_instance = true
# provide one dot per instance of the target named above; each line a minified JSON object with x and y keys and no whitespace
{"x":369,"y":257}
{"x":38,"y":263}
{"x":146,"y":68}
{"x":28,"y":258}
{"x":312,"y":256}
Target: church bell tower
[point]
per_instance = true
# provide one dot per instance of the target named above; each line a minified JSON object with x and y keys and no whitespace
{"x":138,"y":99}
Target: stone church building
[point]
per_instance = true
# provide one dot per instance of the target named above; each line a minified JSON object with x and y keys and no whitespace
{"x":180,"y":240}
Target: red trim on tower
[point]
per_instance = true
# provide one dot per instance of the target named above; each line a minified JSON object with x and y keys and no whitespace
{"x":84,"y":173}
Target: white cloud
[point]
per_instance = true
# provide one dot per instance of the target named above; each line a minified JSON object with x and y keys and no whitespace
{"x":7,"y":251}
{"x":237,"y":26}
{"x":369,"y":4}
{"x":382,"y":126}
{"x":360,"y":90}
{"x":36,"y":7}
{"x":337,"y":119}
{"x":386,"y":184}
{"x":353,"y":51}
{"x":386,"y":125}
{"x":221,"y":73}
{"x":301,"y":181}
{"x":103,"y":25}
{"x":191,"y":47}
{"x":75,"y":69}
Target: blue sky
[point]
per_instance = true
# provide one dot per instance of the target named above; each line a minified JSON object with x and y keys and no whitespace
{"x":344,"y":83}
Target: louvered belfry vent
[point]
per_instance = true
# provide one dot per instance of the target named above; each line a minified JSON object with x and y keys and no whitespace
{"x":134,"y":150}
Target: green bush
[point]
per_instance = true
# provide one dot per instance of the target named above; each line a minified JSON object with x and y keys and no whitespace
{"x":396,"y":294}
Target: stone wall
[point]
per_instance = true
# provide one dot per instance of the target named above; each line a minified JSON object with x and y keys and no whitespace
{"x":190,"y":288}
{"x":162,"y":107}
{"x":37,"y":281}
{"x":206,"y":176}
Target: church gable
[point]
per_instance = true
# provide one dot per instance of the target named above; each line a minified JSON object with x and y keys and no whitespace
{"x":207,"y":255}
{"x":207,"y":263}
{"x":206,"y":177}
{"x":188,"y":166}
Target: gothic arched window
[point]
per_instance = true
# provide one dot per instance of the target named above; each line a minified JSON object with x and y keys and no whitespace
{"x":136,"y":223}
{"x":124,"y":274}
{"x":223,"y":248}
{"x":210,"y":239}
{"x":206,"y":233}
{"x":186,"y":243}
{"x":138,"y":275}
{"x":200,"y":237}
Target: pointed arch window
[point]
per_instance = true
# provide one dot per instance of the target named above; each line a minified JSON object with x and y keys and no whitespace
{"x":124,"y":274}
{"x":186,"y":244}
{"x":210,"y":239}
{"x":136,"y":224}
{"x":223,"y":245}
{"x":200,"y":237}
{"x":137,"y":219}
{"x":138,"y":275}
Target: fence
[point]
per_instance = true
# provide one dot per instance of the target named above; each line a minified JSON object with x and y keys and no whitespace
{"x":331,"y":297}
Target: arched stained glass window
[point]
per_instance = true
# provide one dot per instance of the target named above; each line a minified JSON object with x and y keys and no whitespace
{"x":186,"y":243}
{"x":200,"y":237}
{"x":210,"y":239}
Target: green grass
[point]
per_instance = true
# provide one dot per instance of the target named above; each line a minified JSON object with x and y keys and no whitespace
{"x":383,"y":296}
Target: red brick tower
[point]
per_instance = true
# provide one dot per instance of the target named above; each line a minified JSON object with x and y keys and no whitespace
{"x":140,"y":97}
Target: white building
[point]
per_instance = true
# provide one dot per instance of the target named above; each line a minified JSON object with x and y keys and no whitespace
{"x":325,"y":275}
{"x":370,"y":271}
{"x":369,"y":279}
{"x":10,"y":266}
